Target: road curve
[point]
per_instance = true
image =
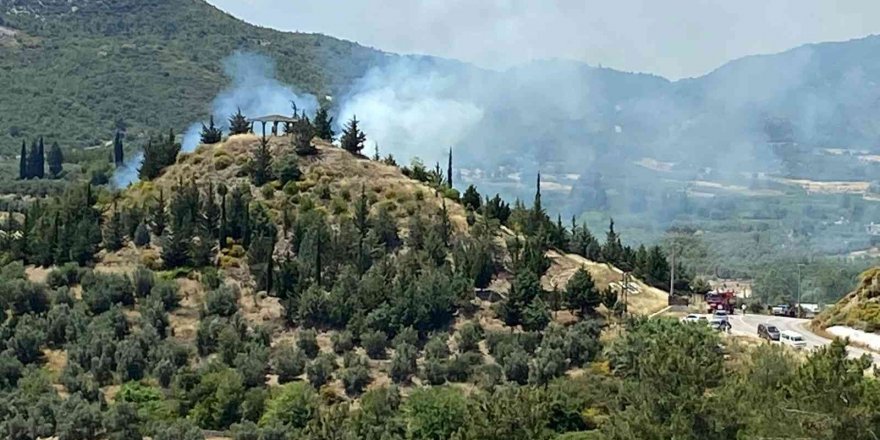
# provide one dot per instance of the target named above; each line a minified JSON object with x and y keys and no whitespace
{"x":747,"y":325}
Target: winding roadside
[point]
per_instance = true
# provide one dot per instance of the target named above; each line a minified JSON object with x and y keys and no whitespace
{"x":747,"y":325}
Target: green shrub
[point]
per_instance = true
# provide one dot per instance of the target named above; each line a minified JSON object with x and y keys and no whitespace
{"x":375,"y":343}
{"x":288,"y":362}
{"x":307,"y":341}
{"x":342,"y":342}
{"x":294,"y":405}
{"x":143,"y":280}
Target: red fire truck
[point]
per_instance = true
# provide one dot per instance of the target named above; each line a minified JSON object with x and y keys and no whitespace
{"x":721,"y":300}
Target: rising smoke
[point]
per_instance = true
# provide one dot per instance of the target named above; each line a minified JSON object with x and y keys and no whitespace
{"x":410,"y":112}
{"x":254,"y":88}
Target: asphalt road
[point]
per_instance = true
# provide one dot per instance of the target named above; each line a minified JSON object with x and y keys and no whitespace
{"x":747,"y":325}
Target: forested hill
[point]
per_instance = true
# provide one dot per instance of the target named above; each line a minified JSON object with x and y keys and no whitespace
{"x":76,"y":70}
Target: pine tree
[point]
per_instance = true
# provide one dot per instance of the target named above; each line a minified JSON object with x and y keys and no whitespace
{"x":449,"y":181}
{"x":114,"y":235}
{"x":238,"y":124}
{"x":175,"y":249}
{"x":23,"y":170}
{"x":86,"y":237}
{"x":237,"y":216}
{"x":352,"y":137}
{"x":376,"y":157}
{"x":201,"y":249}
{"x":211,"y":134}
{"x":471,"y":198}
{"x":55,"y":158}
{"x":118,"y":151}
{"x":303,"y":133}
{"x":141,"y":235}
{"x":612,"y":251}
{"x":260,"y":260}
{"x":261,"y":164}
{"x":362,"y":223}
{"x":158,"y":155}
{"x":210,"y":217}
{"x":581,"y":293}
{"x":324,"y":125}
{"x":159,"y":217}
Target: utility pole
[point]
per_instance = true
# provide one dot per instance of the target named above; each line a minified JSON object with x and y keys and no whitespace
{"x":672,"y":273}
{"x":798,"y":309}
{"x":625,"y":292}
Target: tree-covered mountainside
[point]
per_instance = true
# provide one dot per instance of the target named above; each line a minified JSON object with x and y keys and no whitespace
{"x":76,"y":71}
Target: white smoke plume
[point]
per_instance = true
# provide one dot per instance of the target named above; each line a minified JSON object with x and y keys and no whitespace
{"x":253,"y":88}
{"x":409,"y":113}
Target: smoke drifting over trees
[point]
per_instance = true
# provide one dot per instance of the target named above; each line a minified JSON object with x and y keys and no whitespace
{"x":253,"y":89}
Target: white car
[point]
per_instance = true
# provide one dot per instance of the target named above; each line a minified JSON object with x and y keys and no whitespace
{"x":721,"y":315}
{"x":792,"y":339}
{"x":691,"y":318}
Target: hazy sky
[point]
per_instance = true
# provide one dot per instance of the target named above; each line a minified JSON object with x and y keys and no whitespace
{"x":673,"y":38}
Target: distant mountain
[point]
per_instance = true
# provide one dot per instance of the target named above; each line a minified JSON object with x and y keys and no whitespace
{"x":74,"y":70}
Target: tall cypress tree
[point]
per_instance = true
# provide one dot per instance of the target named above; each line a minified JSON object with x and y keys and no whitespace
{"x":55,"y":160}
{"x":33,"y":161}
{"x":23,"y":162}
{"x":449,"y":181}
{"x":261,"y":164}
{"x":236,"y":217}
{"x":537,"y":207}
{"x":210,"y":212}
{"x":158,"y":216}
{"x":114,"y":235}
{"x":40,"y":161}
{"x":224,"y":226}
{"x":118,"y":153}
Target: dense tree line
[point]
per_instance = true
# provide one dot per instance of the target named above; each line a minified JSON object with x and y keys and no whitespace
{"x":33,"y":163}
{"x":520,"y":392}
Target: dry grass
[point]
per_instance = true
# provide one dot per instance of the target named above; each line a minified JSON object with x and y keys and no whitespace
{"x":860,"y":309}
{"x":56,"y":360}
{"x":820,"y":187}
{"x":184,"y":320}
{"x":643,"y":299}
{"x":37,"y":274}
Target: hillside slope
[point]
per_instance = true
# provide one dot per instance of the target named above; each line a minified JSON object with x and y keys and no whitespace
{"x":860,"y":309}
{"x":332,"y":179}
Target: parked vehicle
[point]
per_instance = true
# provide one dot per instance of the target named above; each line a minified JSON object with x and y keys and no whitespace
{"x":792,"y":339}
{"x":783,"y":310}
{"x":691,"y":318}
{"x":721,"y":315}
{"x":720,"y":300}
{"x":768,"y":332}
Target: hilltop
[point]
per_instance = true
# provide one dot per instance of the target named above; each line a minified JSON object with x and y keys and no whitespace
{"x":331,"y":181}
